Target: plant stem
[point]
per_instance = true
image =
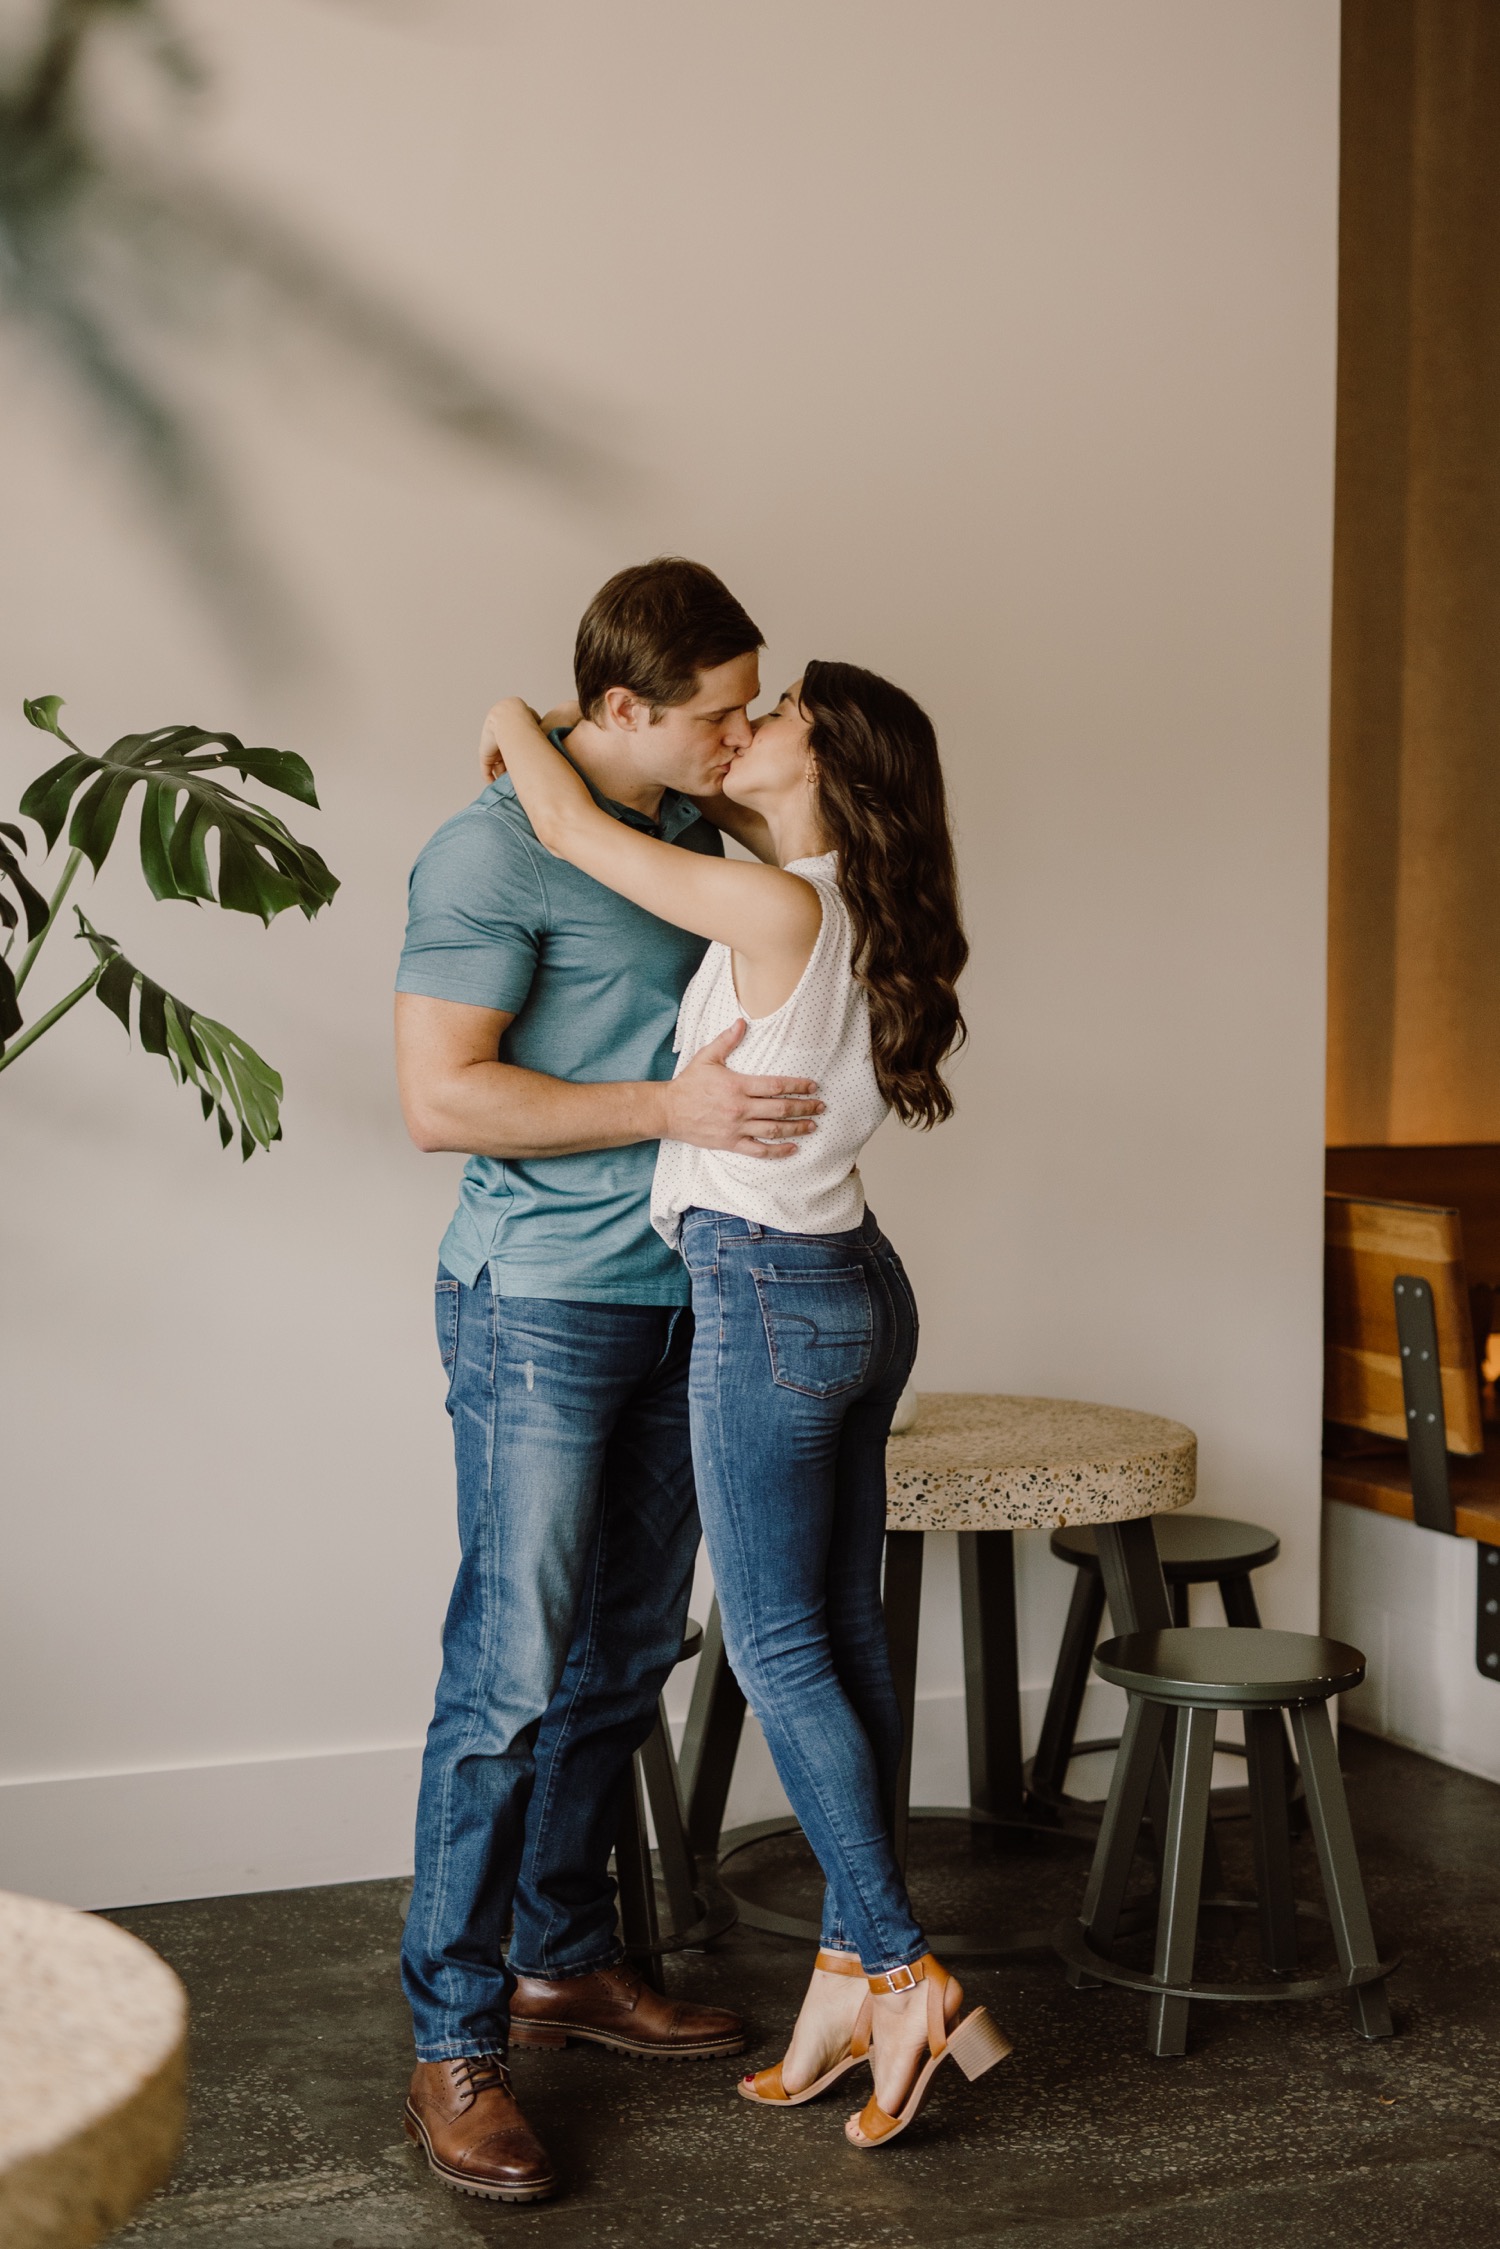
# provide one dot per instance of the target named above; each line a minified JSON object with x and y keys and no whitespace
{"x":74,"y":862}
{"x":45,"y":1022}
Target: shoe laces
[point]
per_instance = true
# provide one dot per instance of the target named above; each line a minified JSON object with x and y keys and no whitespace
{"x":480,"y":2073}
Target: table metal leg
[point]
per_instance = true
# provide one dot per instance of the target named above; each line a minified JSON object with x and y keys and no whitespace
{"x":992,"y":1677}
{"x":902,"y":1601}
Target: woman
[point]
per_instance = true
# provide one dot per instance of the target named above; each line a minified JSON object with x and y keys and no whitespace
{"x":841,"y":952}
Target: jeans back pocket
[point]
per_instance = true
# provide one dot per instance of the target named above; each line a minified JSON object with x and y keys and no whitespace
{"x":820,"y":1326}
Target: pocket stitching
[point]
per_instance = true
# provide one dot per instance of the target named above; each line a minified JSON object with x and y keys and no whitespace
{"x":865,"y":1343}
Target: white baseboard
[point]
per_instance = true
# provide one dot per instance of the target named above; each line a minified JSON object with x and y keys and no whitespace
{"x":195,"y":1831}
{"x":286,"y":1823}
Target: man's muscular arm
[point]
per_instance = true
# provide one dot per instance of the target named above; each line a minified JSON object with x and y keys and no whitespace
{"x":456,"y":1096}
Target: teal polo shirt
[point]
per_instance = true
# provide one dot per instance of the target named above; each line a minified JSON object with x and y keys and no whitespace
{"x":593,"y":983}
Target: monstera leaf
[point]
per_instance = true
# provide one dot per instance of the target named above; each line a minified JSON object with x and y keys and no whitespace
{"x":229,"y":1075}
{"x":200,"y":841}
{"x":32,"y":904}
{"x":262,"y":867}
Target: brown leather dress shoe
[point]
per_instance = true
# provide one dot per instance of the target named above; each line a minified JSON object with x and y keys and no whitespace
{"x":616,"y":2007}
{"x":465,"y":2116}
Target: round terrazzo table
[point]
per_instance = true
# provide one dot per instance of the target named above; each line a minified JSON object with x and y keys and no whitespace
{"x":984,"y":1466}
{"x":93,"y":2031}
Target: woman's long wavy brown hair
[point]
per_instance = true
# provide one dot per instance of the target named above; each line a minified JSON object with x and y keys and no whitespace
{"x":881,"y":795}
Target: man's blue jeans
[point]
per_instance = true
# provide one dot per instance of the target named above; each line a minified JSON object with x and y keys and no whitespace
{"x":578,"y":1529}
{"x":802,"y":1346}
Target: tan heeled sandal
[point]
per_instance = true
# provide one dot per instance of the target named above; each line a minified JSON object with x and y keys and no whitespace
{"x":976,"y":2044}
{"x":766,"y":2086}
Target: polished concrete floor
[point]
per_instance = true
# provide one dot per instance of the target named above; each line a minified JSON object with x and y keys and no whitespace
{"x":1280,"y":2130}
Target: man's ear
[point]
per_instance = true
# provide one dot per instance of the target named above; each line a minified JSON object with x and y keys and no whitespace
{"x":625,"y":712}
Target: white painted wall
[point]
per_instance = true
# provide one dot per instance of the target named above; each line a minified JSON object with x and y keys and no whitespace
{"x":989,"y":342}
{"x":1407,"y":1598}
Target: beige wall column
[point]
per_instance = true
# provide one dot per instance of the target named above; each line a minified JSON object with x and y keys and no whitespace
{"x":1414,"y":962}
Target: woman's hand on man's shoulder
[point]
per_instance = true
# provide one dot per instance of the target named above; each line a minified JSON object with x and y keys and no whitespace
{"x":492,"y":757}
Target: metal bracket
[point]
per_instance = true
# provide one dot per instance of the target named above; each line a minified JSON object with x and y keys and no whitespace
{"x":1422,"y":1386}
{"x":1487,"y":1623}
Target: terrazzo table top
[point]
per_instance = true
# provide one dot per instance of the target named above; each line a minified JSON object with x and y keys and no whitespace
{"x":975,"y":1462}
{"x":93,"y":2032}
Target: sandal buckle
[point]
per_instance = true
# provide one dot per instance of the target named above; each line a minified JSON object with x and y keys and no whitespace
{"x":900,"y":1979}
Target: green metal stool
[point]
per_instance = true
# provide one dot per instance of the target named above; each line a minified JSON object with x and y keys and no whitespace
{"x":1194,"y":1550}
{"x":1190,"y":1675}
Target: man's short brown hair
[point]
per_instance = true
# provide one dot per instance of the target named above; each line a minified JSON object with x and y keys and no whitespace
{"x":653,"y":629}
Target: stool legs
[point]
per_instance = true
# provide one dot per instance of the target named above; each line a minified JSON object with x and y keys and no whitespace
{"x":710,"y":1744}
{"x":1054,"y":1749}
{"x":1120,"y":1827}
{"x":1238,"y":1597}
{"x":1181,"y":1878}
{"x":1339,"y":1865}
{"x":638,"y":1924}
{"x":659,"y":1771}
{"x":1265,"y":1760}
{"x":1133,"y":1581}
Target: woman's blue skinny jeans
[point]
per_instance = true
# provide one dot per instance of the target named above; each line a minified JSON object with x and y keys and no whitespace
{"x":802,"y":1345}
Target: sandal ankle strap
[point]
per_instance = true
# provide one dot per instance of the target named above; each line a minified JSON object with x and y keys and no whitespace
{"x":839,"y":1963}
{"x":907,"y":1978}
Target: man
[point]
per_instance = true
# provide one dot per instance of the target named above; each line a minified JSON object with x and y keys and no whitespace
{"x":534,"y":1026}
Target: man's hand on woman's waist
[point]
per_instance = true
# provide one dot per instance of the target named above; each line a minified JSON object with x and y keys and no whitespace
{"x":458,"y":1096}
{"x":711,"y":1106}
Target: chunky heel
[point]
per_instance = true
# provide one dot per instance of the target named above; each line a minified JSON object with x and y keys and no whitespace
{"x":978,"y":2043}
{"x":535,"y":2034}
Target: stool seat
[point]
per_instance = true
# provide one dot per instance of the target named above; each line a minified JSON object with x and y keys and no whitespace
{"x":1230,"y":1667}
{"x":1194,"y":1549}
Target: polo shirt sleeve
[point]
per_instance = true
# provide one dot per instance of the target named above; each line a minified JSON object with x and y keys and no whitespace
{"x":476,"y":913}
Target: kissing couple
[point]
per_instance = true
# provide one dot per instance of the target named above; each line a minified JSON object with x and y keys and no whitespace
{"x":664,"y":1311}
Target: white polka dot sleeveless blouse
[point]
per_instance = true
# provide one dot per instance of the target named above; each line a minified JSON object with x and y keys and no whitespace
{"x":821,"y":1032}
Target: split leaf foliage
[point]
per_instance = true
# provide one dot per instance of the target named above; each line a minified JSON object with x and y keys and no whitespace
{"x":229,"y":1075}
{"x":29,"y":901}
{"x":262,"y":868}
{"x":200,"y":841}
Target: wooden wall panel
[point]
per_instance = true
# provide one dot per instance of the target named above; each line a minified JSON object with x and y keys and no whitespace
{"x":1414,"y":952}
{"x":1367,"y":1245}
